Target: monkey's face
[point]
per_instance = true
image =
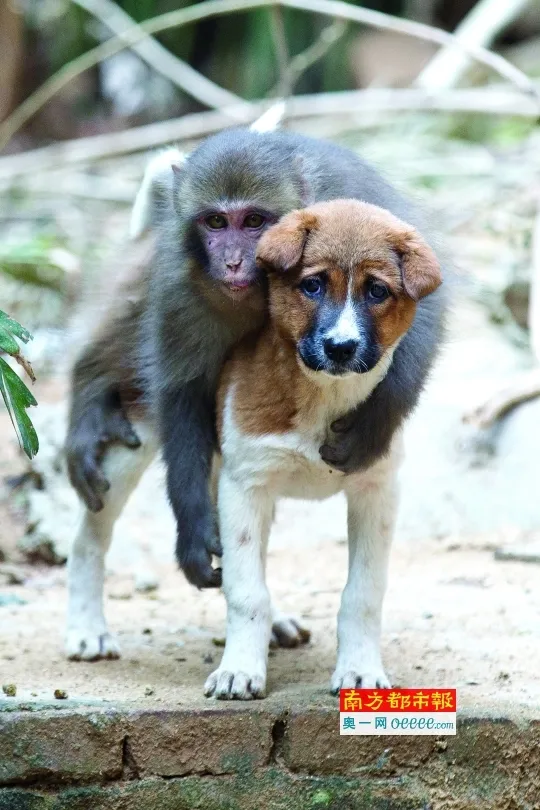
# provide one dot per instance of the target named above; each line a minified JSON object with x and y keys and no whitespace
{"x":229,"y":238}
{"x":344,"y":281}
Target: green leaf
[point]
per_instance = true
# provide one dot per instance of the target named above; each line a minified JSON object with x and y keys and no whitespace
{"x":18,"y":398}
{"x":9,"y":325}
{"x":8,"y":344}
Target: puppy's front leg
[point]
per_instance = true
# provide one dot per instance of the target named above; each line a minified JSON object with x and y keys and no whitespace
{"x":371,"y":513}
{"x":245,"y":516}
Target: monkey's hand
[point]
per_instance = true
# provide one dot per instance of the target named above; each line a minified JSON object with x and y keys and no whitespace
{"x":100,"y":424}
{"x":195,"y":556}
{"x":345,"y":447}
{"x":360,"y":437}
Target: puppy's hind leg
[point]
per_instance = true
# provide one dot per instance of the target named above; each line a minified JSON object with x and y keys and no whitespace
{"x":87,"y":635}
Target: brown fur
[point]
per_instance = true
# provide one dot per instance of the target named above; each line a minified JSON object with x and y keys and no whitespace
{"x":345,"y":239}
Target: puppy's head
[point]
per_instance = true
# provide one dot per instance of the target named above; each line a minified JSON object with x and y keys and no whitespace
{"x":345,"y":278}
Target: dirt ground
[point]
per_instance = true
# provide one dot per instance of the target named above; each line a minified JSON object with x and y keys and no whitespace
{"x":454,"y":616}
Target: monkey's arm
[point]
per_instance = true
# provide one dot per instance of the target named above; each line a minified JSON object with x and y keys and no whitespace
{"x":186,"y":417}
{"x":96,"y":420}
{"x":364,"y":435}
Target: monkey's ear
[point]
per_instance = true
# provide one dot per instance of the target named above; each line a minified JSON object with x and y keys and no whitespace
{"x":420,"y":268}
{"x":282,"y":246}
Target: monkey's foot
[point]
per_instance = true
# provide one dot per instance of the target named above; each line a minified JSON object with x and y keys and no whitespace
{"x":288,"y":631}
{"x":364,"y":675}
{"x":225,"y":684}
{"x":85,"y":644}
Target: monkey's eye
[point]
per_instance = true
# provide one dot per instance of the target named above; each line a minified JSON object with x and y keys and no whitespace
{"x":216,"y":222}
{"x":253,"y":221}
{"x":377,"y":291}
{"x":313,"y":286}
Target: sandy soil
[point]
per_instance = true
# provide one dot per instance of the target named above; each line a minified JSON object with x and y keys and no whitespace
{"x":454,"y":617}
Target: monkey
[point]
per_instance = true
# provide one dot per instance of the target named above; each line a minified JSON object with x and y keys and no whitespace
{"x":200,"y":293}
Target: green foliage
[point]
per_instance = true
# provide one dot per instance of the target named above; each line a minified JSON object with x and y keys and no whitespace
{"x":33,"y":261}
{"x":16,"y":395}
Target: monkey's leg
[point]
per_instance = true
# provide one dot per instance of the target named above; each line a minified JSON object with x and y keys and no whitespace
{"x":87,"y":635}
{"x":245,"y":517}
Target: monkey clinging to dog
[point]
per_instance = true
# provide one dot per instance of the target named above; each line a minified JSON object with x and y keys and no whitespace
{"x":162,"y":348}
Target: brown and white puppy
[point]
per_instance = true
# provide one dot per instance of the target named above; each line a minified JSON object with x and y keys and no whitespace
{"x":345,"y":279}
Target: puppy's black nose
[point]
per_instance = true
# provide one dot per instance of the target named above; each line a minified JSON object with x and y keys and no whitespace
{"x":340,"y":351}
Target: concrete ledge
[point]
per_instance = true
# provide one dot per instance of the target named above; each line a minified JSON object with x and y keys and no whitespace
{"x":272,"y":754}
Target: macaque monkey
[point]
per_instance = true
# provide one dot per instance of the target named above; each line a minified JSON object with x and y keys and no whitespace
{"x":154,"y":360}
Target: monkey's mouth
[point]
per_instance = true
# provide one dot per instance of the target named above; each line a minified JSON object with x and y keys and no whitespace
{"x":237,"y":286}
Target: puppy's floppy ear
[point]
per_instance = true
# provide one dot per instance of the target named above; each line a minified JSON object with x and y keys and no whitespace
{"x":420,"y":268}
{"x":282,"y":246}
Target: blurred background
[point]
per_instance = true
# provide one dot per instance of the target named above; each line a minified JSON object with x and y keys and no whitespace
{"x":457,"y":134}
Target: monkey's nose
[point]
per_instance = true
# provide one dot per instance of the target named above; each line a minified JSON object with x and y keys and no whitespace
{"x":340,"y":351}
{"x":233,"y":265}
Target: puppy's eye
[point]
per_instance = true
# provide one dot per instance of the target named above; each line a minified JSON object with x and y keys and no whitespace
{"x":313,"y":286}
{"x":216,"y":222}
{"x":254,"y":221}
{"x":378,"y":292}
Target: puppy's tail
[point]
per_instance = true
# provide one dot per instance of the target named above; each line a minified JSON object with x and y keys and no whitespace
{"x":157,"y":181}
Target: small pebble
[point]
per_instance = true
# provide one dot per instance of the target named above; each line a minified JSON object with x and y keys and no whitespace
{"x":147,"y":631}
{"x":208,"y":659}
{"x":9,"y":689}
{"x":60,"y":694}
{"x":145,"y":581}
{"x":218,"y":642}
{"x":148,"y":691}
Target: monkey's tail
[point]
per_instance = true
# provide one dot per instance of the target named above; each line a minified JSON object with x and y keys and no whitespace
{"x":158,"y":174}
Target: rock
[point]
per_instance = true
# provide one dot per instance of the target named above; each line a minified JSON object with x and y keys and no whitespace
{"x":146,"y":581}
{"x":9,"y":690}
{"x":521,"y":552}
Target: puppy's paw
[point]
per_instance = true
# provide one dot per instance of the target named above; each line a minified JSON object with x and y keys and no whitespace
{"x":359,"y":677}
{"x":288,"y":631}
{"x":224,"y":684}
{"x":85,"y":644}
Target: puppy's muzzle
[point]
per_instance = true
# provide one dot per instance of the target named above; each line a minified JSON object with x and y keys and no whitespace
{"x":340,"y":352}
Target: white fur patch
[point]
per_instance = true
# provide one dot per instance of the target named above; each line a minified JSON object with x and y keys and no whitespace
{"x":346,"y":326}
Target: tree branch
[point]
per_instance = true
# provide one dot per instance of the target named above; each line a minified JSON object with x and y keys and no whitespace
{"x":479,"y":28}
{"x":355,"y":103}
{"x":159,"y":58}
{"x":534,"y":299}
{"x":304,"y":60}
{"x":213,"y":8}
{"x":283,"y":87}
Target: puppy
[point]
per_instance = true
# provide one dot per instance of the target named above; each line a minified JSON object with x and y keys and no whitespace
{"x":346,"y":287}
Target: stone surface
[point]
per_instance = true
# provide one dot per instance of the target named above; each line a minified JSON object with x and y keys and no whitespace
{"x":60,"y":747}
{"x":209,"y":741}
{"x":285,"y":757}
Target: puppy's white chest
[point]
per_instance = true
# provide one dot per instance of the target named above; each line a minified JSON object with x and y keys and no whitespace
{"x":289,"y":464}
